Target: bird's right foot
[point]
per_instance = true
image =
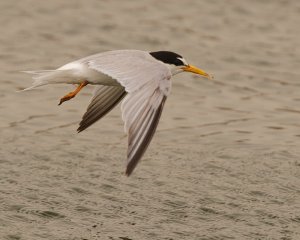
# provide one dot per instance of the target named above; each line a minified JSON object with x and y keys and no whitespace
{"x":71,"y":95}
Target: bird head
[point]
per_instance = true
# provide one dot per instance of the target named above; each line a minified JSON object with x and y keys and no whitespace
{"x":178,"y":64}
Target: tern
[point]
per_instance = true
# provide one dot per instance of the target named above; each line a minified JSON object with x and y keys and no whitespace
{"x":142,"y":79}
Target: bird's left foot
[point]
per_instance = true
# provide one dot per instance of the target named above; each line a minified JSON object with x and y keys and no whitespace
{"x":70,"y":95}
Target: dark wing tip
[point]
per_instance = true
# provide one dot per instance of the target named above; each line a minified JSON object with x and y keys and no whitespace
{"x":79,"y":129}
{"x":82,"y":126}
{"x":100,"y":105}
{"x":127,"y":172}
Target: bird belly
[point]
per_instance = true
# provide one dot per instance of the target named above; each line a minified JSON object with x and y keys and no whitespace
{"x":98,"y":78}
{"x":79,"y":73}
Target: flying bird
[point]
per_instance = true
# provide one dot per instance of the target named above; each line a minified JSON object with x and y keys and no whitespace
{"x":142,"y":79}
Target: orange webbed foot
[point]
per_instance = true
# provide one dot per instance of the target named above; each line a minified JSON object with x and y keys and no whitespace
{"x":71,"y":95}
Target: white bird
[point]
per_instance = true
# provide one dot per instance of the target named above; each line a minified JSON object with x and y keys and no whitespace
{"x":143,"y":77}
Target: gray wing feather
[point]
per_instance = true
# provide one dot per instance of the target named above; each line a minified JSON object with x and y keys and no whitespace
{"x":142,"y":128}
{"x":105,"y":98}
{"x":131,"y":68}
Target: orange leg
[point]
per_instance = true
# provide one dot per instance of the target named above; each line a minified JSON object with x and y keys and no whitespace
{"x":70,"y":95}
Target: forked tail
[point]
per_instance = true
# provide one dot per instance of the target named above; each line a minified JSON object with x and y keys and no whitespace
{"x":44,"y":77}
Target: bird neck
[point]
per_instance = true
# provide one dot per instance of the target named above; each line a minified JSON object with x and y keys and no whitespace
{"x":175,"y":70}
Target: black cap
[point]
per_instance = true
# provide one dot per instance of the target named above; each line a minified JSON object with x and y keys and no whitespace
{"x":168,"y":57}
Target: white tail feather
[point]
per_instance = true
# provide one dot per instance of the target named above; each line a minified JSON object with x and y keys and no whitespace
{"x":44,"y":77}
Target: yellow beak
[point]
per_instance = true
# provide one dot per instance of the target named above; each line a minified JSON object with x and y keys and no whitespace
{"x":193,"y":69}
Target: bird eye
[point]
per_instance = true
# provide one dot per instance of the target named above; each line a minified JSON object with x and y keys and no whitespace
{"x":179,"y":62}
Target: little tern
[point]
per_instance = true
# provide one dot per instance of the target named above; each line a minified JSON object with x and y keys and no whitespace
{"x":143,"y":78}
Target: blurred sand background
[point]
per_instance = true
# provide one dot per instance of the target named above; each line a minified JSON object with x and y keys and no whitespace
{"x":225,"y":161}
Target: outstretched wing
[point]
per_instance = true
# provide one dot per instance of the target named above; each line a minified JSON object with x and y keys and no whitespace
{"x":105,"y":98}
{"x":141,"y":113}
{"x":131,"y":68}
{"x":147,"y":82}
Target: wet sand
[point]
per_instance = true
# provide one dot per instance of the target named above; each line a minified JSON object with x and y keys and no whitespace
{"x":224,"y":163}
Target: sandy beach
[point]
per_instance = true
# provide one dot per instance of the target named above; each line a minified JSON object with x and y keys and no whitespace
{"x":225,"y":160}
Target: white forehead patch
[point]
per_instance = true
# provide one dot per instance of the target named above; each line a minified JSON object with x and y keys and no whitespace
{"x":183,"y":60}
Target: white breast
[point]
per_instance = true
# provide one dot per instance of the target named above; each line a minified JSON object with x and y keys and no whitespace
{"x":79,"y":72}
